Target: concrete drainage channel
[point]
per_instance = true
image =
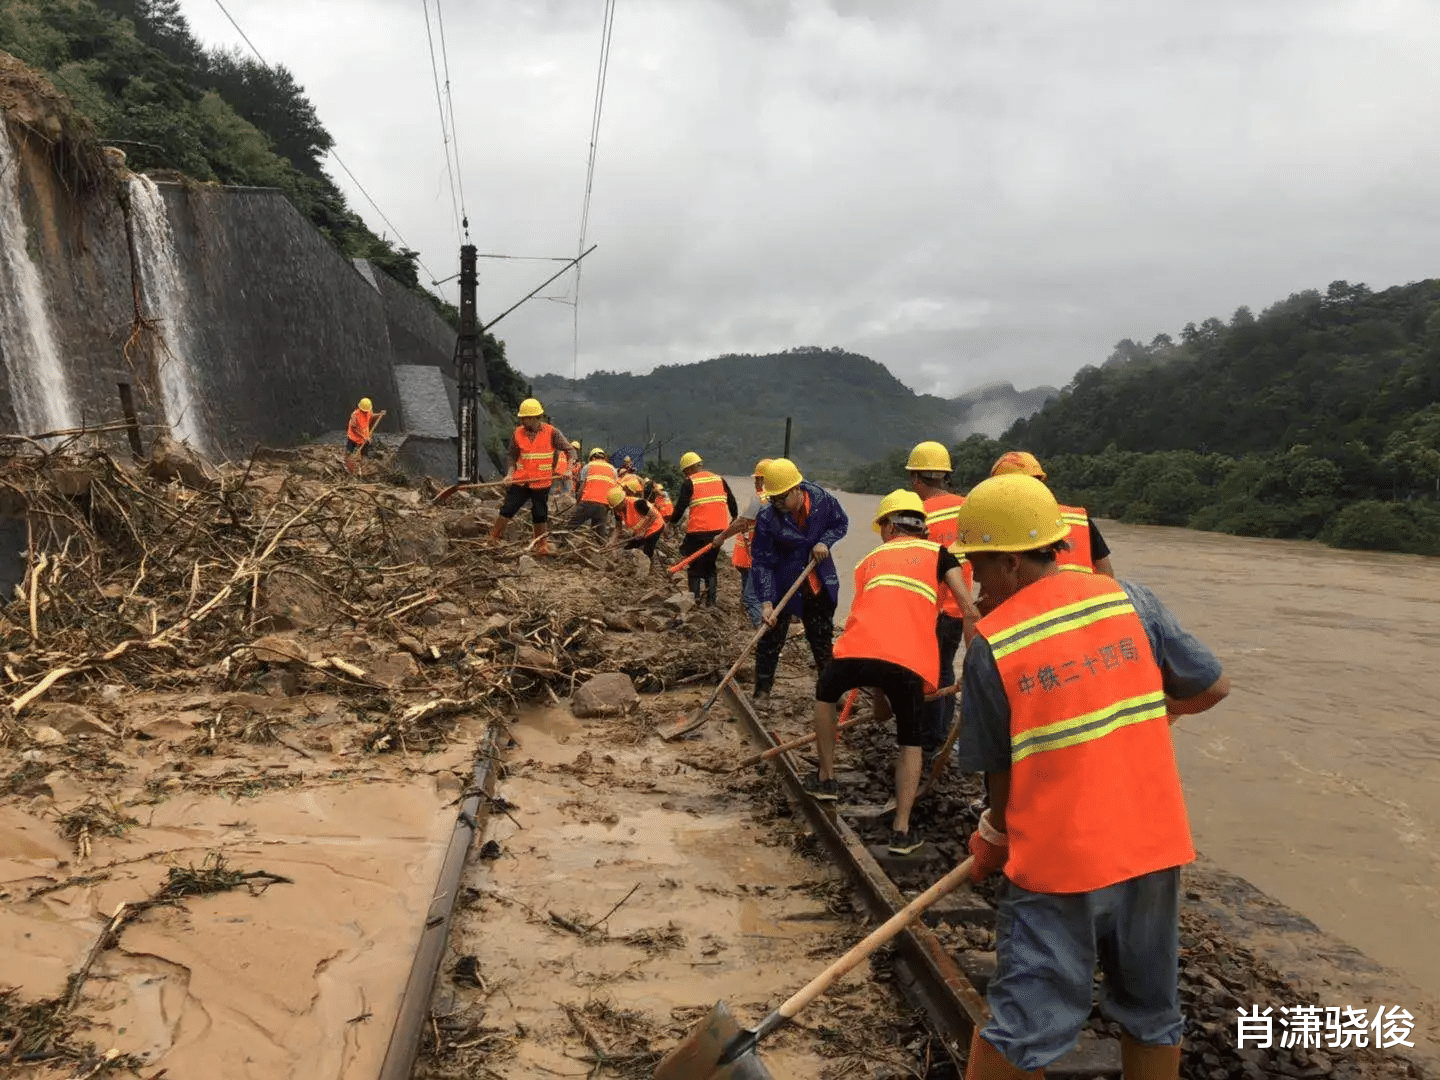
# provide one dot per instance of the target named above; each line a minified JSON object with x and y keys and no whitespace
{"x":950,"y":996}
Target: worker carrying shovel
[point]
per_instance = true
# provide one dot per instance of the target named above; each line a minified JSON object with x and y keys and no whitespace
{"x":359,"y":432}
{"x":1069,"y":690}
{"x":640,"y":523}
{"x":535,"y":451}
{"x":889,"y":642}
{"x":710,"y":506}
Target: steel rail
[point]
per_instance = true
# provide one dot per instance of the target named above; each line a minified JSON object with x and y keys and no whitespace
{"x":410,"y":1018}
{"x":925,"y":971}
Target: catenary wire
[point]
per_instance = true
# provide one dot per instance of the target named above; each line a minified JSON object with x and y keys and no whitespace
{"x":440,"y":107}
{"x":607,"y":33}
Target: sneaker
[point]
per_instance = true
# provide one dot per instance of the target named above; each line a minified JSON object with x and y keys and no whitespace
{"x":905,"y":843}
{"x":824,"y":790}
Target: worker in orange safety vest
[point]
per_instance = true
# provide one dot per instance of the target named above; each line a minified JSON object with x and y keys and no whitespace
{"x":1069,"y":690}
{"x":359,"y":432}
{"x":889,"y":643}
{"x":640,"y":522}
{"x":535,"y":450}
{"x":711,"y":506}
{"x":593,"y":488}
{"x":1088,"y":551}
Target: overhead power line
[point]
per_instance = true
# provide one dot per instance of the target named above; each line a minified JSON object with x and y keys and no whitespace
{"x":450,"y":105}
{"x":338,"y":161}
{"x":607,"y":34}
{"x":440,"y":106}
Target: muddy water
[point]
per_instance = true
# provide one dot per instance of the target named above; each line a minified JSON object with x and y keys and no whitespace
{"x":1317,"y":779}
{"x":301,"y":980}
{"x":600,"y":819}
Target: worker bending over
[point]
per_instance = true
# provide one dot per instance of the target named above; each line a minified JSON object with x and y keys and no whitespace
{"x":535,"y":449}
{"x":1070,"y":688}
{"x":710,"y":504}
{"x":929,"y":468}
{"x":741,"y":528}
{"x":889,"y":642}
{"x":596,"y":482}
{"x":359,"y":432}
{"x":640,"y":522}
{"x":801,"y":521}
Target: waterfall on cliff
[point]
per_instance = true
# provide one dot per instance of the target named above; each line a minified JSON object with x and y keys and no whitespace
{"x":167,"y":303}
{"x":38,"y":388}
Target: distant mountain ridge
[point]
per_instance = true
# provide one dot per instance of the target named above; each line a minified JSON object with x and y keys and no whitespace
{"x":846,"y":408}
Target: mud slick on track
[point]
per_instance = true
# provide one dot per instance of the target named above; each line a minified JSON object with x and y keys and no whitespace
{"x":243,"y":709}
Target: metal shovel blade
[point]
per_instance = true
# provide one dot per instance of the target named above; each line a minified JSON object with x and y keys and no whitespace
{"x":695,"y":1058}
{"x":684,"y":725}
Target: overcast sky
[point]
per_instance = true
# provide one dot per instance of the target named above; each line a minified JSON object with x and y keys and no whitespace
{"x":965,"y":192}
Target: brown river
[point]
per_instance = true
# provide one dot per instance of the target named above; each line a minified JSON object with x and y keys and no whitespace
{"x":1318,"y":780}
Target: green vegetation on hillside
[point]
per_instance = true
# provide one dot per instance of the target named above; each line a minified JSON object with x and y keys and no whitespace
{"x":1317,"y":420}
{"x":846,"y":408}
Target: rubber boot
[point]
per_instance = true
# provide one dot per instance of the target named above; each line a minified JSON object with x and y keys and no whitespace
{"x":497,"y":533}
{"x":712,"y":583}
{"x":1143,"y":1061}
{"x":695,"y":584}
{"x":540,"y":545}
{"x":987,"y":1063}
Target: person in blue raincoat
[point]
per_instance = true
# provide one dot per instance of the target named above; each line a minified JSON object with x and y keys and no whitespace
{"x":801,"y":521}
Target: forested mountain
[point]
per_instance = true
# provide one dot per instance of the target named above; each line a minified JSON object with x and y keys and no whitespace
{"x":846,"y":408}
{"x":137,"y":73}
{"x":1320,"y":418}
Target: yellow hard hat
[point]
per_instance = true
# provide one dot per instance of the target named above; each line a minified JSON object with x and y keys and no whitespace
{"x":759,"y":473}
{"x":597,"y":452}
{"x":633,"y":484}
{"x":1011,"y":512}
{"x":929,"y":457}
{"x":781,"y":476}
{"x":615,"y":496}
{"x":530,"y":407}
{"x":901,"y":500}
{"x":366,"y":405}
{"x":688,"y":459}
{"x":1017,"y":461}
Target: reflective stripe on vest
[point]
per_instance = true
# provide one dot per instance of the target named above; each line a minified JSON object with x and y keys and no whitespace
{"x":599,"y":481}
{"x":536,"y":466}
{"x":893,"y":615}
{"x":1095,"y":795}
{"x":709,"y":508}
{"x":1077,"y":559}
{"x":632,"y":518}
{"x":940,"y":514}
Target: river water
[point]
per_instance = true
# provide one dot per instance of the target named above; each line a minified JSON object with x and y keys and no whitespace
{"x":1317,"y":779}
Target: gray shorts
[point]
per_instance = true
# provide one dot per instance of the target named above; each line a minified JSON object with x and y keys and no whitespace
{"x":1046,"y":949}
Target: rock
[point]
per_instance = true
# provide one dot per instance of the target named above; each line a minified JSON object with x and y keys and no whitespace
{"x":463,"y":525}
{"x":416,"y":539}
{"x":35,"y":756}
{"x":279,"y":682}
{"x":392,"y":669}
{"x":44,"y":735}
{"x":291,"y":603}
{"x":170,"y":460}
{"x":112,"y":693}
{"x":680,"y":602}
{"x":636,"y":562}
{"x":75,"y":720}
{"x":610,"y":694}
{"x":621,"y":623}
{"x":526,"y":565}
{"x":527,"y":656}
{"x":279,"y":649}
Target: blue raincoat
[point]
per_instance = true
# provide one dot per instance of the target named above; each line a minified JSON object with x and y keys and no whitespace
{"x":780,"y":551}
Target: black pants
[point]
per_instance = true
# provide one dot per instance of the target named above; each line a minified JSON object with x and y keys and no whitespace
{"x":517,"y":495}
{"x":644,"y":543}
{"x":702,"y":571}
{"x":901,"y":687}
{"x":351,"y":446}
{"x":597,"y":515}
{"x":817,"y":615}
{"x":938,"y":714}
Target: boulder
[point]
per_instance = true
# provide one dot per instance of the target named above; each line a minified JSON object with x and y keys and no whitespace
{"x":392,"y":669}
{"x":288,"y":602}
{"x":526,"y":565}
{"x":611,"y":694}
{"x":527,"y":656}
{"x":43,"y":735}
{"x":279,"y":649}
{"x":416,"y":539}
{"x":74,"y":720}
{"x":171,"y":460}
{"x":680,"y":602}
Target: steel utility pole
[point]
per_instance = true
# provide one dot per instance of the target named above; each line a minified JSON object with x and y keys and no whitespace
{"x":467,"y":356}
{"x":787,"y":438}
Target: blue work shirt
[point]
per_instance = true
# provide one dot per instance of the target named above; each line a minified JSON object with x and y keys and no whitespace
{"x":779,"y":550}
{"x":1186,"y":665}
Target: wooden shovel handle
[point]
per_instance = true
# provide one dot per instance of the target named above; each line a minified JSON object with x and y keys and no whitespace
{"x":802,"y":740}
{"x":675,"y":568}
{"x":755,"y":638}
{"x":879,"y":936}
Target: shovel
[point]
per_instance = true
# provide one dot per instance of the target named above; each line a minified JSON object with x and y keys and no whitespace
{"x":719,"y":1049}
{"x":938,"y":765}
{"x":445,"y":493}
{"x":696,"y":719}
{"x":803,"y":740}
{"x":675,"y":568}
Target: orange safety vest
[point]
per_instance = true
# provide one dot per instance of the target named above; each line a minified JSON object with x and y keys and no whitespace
{"x":896,"y":603}
{"x":740,"y":558}
{"x":536,"y":466}
{"x":632,"y":518}
{"x":664,"y":505}
{"x":575,"y":473}
{"x":709,"y":509}
{"x":1077,"y":559}
{"x":940,"y":512}
{"x":359,"y":430}
{"x":1095,"y":794}
{"x":598,"y":481}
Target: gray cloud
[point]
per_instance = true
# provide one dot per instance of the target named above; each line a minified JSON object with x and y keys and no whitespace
{"x":963,"y":193}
